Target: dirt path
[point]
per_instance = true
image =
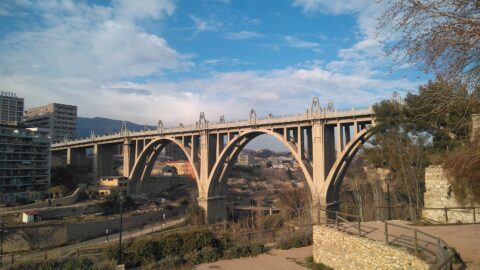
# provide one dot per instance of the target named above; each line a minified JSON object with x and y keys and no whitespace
{"x":273,"y":260}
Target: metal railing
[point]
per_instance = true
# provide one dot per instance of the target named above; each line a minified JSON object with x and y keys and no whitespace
{"x":430,"y":248}
{"x":466,"y":211}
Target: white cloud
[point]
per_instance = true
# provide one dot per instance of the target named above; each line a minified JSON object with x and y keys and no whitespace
{"x":203,"y":25}
{"x":302,"y":44}
{"x":243,"y":35}
{"x":78,"y":40}
{"x":233,"y":94}
{"x":328,"y":6}
{"x":155,"y":9}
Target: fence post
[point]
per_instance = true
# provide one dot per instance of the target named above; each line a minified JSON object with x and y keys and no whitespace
{"x":45,"y":254}
{"x":474,"y":217}
{"x":446,"y":215}
{"x":78,"y":253}
{"x":337,"y":224}
{"x":12,"y":258}
{"x":386,"y":233}
{"x":415,"y":237}
{"x":359,"y":228}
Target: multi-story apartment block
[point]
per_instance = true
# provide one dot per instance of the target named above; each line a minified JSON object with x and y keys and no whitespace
{"x":24,"y":162}
{"x":61,"y":119}
{"x":246,"y":159}
{"x":11,"y":108}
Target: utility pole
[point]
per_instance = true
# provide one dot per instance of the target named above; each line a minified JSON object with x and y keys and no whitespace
{"x":121,"y":199}
{"x":388,"y":180}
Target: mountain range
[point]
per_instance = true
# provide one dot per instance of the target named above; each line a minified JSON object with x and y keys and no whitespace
{"x":101,"y":126}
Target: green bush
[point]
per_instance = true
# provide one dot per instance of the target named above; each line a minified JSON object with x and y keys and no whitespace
{"x":198,"y":240}
{"x":205,"y":255}
{"x":296,"y":240}
{"x":169,"y":262}
{"x":245,"y":250}
{"x":195,"y":215}
{"x":111,"y":252}
{"x":66,"y":264}
{"x":171,"y":245}
{"x":145,"y":251}
{"x":105,"y":265}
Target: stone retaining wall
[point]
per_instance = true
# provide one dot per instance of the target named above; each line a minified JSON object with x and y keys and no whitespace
{"x":438,"y":194}
{"x":344,"y":251}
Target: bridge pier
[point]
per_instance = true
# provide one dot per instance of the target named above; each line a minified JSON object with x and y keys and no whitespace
{"x":128,"y":153}
{"x":215,"y":208}
{"x":75,"y":157}
{"x":102,"y":160}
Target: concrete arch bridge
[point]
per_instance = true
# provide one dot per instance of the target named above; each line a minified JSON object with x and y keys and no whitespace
{"x":322,"y":140}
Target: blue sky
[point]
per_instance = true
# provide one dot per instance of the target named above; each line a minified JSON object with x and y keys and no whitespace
{"x":163,"y":59}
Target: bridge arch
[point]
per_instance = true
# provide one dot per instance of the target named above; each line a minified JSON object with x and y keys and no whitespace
{"x":331,"y":188}
{"x":217,"y":179}
{"x":146,"y":159}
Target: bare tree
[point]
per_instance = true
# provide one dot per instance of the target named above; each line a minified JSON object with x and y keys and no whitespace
{"x":441,"y":35}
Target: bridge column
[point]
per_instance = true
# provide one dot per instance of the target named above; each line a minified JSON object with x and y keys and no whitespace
{"x":102,"y":160}
{"x":318,"y":154}
{"x":75,"y":157}
{"x":128,"y":153}
{"x":215,"y":208}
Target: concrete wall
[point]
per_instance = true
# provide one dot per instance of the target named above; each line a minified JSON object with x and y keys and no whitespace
{"x":438,"y":194}
{"x":155,"y":185}
{"x":344,"y":251}
{"x":26,"y":237}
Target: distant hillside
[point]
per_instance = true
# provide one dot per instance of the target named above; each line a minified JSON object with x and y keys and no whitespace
{"x":102,"y":126}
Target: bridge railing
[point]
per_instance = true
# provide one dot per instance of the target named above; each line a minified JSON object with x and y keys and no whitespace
{"x":227,"y":124}
{"x":427,"y":246}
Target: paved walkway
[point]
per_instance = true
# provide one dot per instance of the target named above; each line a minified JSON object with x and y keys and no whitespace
{"x":273,"y":260}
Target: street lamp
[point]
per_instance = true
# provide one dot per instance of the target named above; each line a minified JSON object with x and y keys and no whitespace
{"x":121,"y":199}
{"x":388,"y":180}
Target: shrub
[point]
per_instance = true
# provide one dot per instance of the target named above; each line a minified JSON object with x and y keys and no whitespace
{"x":169,"y":262}
{"x":205,"y":255}
{"x":198,"y":240}
{"x":171,"y":245}
{"x":195,"y":215}
{"x":66,"y":264}
{"x":296,"y":240}
{"x":111,"y":252}
{"x":105,"y":265}
{"x":145,"y":251}
{"x":245,"y":250}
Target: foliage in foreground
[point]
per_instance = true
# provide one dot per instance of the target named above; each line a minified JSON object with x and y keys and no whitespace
{"x":296,"y":240}
{"x":67,"y":264}
{"x":243,"y":250}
